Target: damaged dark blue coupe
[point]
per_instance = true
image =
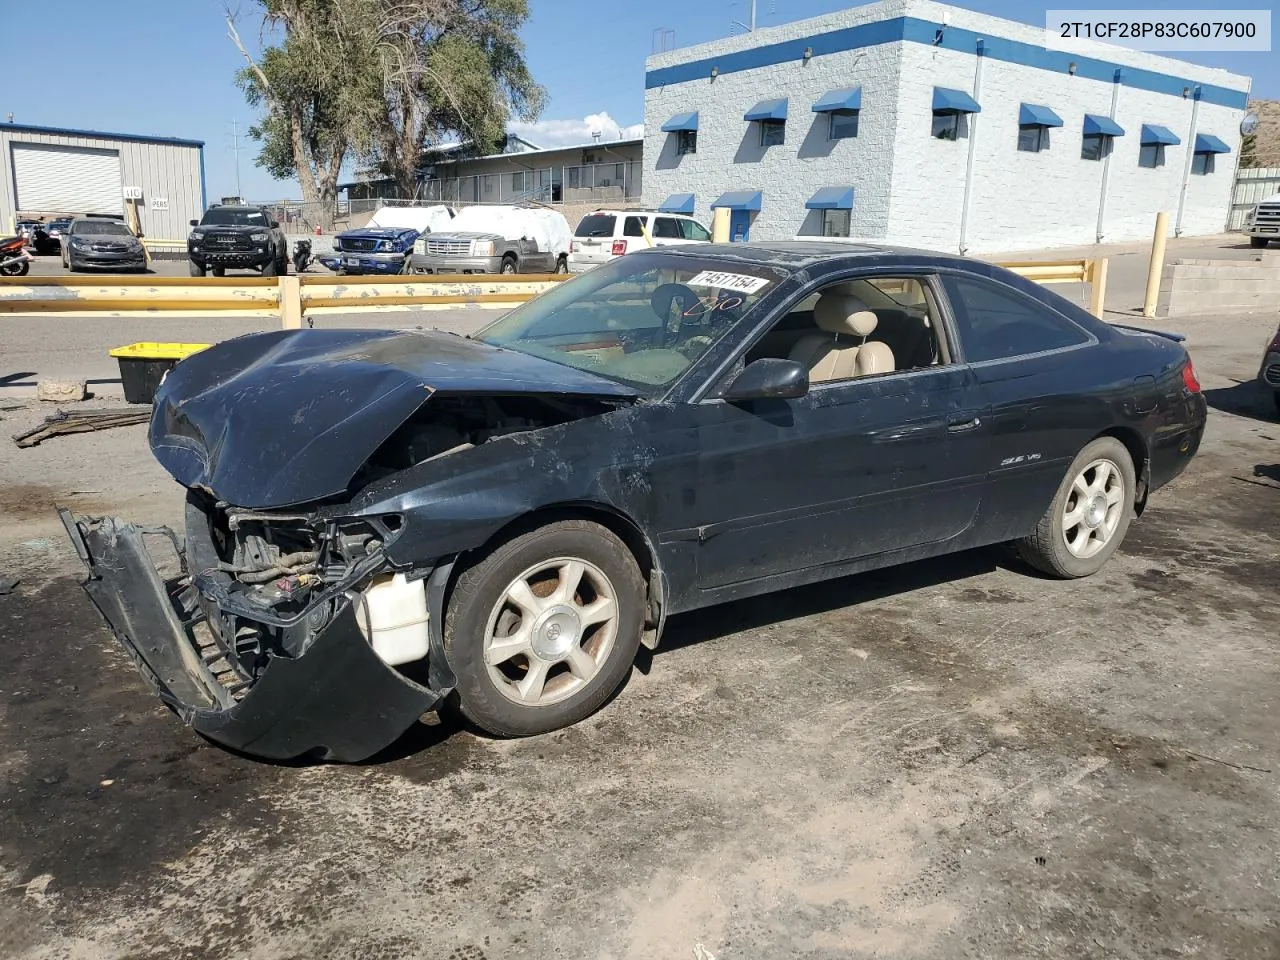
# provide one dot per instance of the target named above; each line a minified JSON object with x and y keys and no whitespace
{"x":378,"y":522}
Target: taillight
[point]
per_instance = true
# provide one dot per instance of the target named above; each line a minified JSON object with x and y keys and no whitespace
{"x":573,"y":246}
{"x":619,"y":247}
{"x":1189,"y":377}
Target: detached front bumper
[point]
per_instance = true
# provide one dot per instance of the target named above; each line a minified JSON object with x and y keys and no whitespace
{"x":364,"y":262}
{"x":420,"y":263}
{"x":336,"y":700}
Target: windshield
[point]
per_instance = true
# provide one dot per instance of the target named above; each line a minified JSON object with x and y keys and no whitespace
{"x":641,"y":319}
{"x":230,"y":215}
{"x":104,"y":228}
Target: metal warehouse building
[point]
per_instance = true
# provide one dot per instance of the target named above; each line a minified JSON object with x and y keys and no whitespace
{"x":915,"y":123}
{"x":46,"y":172}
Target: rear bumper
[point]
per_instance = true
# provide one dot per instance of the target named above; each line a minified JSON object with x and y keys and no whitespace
{"x":336,"y":700}
{"x":421,"y":263}
{"x":582,"y":266}
{"x":1173,"y":449}
{"x":364,"y":262}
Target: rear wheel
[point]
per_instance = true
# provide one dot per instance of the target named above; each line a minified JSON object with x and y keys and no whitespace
{"x":1258,"y":242}
{"x":542,"y":630}
{"x":1089,"y":515}
{"x":508,"y":264}
{"x":18,"y":269}
{"x":562,"y":265}
{"x":197,"y":269}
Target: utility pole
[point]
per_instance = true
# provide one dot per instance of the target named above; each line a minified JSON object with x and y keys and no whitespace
{"x":751,"y":28}
{"x":235,"y":149}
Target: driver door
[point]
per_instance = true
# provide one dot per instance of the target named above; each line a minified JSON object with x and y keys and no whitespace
{"x":855,"y":468}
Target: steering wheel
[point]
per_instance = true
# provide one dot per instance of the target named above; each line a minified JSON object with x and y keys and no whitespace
{"x":663,"y":299}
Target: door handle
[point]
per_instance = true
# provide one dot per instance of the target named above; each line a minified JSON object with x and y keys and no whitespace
{"x":960,"y":425}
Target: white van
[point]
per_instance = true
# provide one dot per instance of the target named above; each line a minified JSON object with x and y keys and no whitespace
{"x":605,"y":234}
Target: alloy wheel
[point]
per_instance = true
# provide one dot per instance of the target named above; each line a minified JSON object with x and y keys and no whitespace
{"x":551,"y":631}
{"x":1093,"y":509}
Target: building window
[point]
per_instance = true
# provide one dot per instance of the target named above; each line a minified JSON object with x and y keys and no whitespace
{"x":1033,"y":138}
{"x":772,"y":132}
{"x":842,"y":124}
{"x":686,"y":142}
{"x":517,"y":182}
{"x":835,"y":223}
{"x":1202,"y":163}
{"x":946,"y":126}
{"x":1151,"y":155}
{"x":1095,"y":146}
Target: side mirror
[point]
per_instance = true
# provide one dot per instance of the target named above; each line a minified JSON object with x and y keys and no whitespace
{"x":141,"y":235}
{"x":769,"y":378}
{"x":275,"y":224}
{"x":195,"y":223}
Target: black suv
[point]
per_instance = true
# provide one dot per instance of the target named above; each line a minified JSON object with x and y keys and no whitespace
{"x":244,"y":237}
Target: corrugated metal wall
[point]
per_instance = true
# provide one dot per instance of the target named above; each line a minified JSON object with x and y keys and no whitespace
{"x":169,"y":175}
{"x":1253,"y":185}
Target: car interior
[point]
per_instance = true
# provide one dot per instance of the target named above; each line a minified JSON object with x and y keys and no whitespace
{"x":858,"y":328}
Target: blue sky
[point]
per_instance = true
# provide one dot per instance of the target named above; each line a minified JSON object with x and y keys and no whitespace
{"x":177,"y":65}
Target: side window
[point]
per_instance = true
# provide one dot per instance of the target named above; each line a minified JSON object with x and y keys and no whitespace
{"x":665,"y":228}
{"x":858,"y":328}
{"x":632,"y":228}
{"x":996,"y":323}
{"x":693,"y":230}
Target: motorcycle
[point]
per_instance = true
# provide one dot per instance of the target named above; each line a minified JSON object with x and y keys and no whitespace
{"x":301,"y":255}
{"x":14,"y":259}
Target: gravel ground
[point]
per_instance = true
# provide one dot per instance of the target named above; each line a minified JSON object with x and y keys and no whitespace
{"x":954,"y":758}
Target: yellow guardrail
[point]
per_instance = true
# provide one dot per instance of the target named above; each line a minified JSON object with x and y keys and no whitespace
{"x":291,"y":298}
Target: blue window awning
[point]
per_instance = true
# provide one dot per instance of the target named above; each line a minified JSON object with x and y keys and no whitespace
{"x":1098,"y":125}
{"x":1208,"y":143}
{"x":681,"y":121}
{"x":740,"y":200}
{"x":953,"y":101}
{"x":847,"y":98}
{"x":768,"y":110}
{"x":831,"y":198}
{"x":1153,"y":134}
{"x":1034,"y":115}
{"x":677,"y":203}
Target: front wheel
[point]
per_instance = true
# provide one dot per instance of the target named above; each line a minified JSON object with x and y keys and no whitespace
{"x":562,"y":265}
{"x":18,"y":269}
{"x":197,"y":269}
{"x":270,"y":269}
{"x":543,"y":629}
{"x":1089,"y":515}
{"x":219,"y":271}
{"x":1258,"y":242}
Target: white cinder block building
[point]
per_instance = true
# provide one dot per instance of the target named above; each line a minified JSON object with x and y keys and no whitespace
{"x":915,"y":123}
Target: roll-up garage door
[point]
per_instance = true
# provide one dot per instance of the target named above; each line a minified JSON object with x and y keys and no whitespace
{"x":54,"y":179}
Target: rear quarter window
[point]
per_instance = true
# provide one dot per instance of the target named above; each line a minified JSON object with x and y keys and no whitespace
{"x":996,"y":323}
{"x":596,"y":225}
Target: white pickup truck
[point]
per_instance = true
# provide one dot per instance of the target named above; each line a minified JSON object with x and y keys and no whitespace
{"x":1262,"y":223}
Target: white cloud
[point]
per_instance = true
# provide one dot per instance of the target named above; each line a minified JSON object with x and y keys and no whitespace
{"x":556,"y":133}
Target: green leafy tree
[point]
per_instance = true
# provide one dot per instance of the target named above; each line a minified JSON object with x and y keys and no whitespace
{"x":382,"y":80}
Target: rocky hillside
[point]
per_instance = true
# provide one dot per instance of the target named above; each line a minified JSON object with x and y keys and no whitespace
{"x":1265,"y":150}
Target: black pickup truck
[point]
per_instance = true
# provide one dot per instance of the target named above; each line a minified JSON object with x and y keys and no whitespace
{"x":237,"y":237}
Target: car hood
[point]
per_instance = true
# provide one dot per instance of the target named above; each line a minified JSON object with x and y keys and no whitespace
{"x":287,"y":417}
{"x":376,"y":233}
{"x":465,"y":235}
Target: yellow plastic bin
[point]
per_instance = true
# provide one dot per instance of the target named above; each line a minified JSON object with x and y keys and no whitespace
{"x":144,"y":365}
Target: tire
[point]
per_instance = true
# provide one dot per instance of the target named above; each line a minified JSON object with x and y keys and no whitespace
{"x":509,"y":264}
{"x":1081,"y":549}
{"x":271,"y":269}
{"x":581,"y":665}
{"x":1258,"y":242}
{"x":562,"y":265}
{"x":17,"y":270}
{"x":219,"y":271}
{"x":197,"y":269}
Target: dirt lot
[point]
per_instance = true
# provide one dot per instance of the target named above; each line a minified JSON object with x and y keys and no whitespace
{"x":950,"y":759}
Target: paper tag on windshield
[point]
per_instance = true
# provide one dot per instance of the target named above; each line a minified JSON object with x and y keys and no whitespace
{"x":737,"y":282}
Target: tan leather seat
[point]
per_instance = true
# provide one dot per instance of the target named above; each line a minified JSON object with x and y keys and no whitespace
{"x":835,"y":353}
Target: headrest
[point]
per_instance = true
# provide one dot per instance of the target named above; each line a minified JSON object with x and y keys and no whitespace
{"x":841,"y":313}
